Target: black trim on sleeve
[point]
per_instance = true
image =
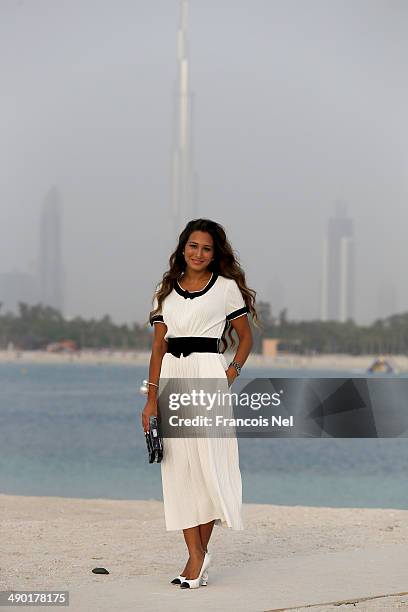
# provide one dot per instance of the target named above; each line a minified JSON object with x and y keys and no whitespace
{"x":237,"y":313}
{"x":156,"y":319}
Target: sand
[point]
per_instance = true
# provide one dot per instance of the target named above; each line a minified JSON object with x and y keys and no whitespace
{"x":52,"y":542}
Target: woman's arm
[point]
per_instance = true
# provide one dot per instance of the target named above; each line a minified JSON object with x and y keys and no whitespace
{"x":159,"y":348}
{"x":243,"y":329}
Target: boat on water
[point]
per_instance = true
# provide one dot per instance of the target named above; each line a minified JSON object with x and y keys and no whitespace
{"x":381,"y":366}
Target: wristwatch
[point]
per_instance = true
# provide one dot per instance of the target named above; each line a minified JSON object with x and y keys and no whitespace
{"x":236,"y":365}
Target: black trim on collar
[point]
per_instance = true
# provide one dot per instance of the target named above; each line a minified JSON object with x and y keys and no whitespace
{"x":237,"y":313}
{"x":193,"y":294}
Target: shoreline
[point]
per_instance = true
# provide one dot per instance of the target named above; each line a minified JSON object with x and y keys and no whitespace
{"x":333,"y":362}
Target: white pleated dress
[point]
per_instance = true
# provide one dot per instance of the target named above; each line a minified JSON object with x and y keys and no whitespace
{"x":200,"y":476}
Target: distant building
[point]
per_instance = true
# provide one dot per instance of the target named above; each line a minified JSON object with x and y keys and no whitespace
{"x":264,"y":312}
{"x":270,"y":347}
{"x":337,"y":290}
{"x":184,"y":179}
{"x":17,"y":287}
{"x":387,"y":299}
{"x":50,"y":258}
{"x":275,"y":294}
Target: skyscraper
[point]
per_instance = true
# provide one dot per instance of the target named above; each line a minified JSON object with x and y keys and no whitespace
{"x":50,"y":259}
{"x":387,"y":299}
{"x":275,"y":294}
{"x":337,"y":291}
{"x":184,"y":192}
{"x":15,"y":287}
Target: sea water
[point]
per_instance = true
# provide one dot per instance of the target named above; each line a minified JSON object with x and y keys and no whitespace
{"x":74,"y":430}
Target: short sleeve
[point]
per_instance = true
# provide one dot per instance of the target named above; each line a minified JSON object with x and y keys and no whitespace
{"x":157,"y":318}
{"x":234,"y":302}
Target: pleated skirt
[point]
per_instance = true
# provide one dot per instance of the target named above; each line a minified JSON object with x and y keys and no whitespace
{"x":201,"y":477}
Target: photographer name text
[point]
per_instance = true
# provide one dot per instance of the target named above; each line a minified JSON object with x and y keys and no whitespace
{"x":222,"y":421}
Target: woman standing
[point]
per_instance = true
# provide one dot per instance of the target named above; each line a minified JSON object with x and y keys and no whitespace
{"x":201,"y":296}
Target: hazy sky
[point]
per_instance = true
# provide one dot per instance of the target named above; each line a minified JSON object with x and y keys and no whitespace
{"x":298,"y":104}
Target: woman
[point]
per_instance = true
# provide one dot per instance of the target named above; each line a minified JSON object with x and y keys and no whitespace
{"x":201,"y":296}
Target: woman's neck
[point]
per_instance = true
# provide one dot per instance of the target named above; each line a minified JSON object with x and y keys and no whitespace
{"x":194,"y":283}
{"x":196,"y":277}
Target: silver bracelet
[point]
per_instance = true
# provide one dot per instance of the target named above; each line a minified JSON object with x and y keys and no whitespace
{"x":147,"y":382}
{"x":144,"y":389}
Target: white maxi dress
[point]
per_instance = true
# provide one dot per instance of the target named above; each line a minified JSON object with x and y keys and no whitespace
{"x":201,"y":477}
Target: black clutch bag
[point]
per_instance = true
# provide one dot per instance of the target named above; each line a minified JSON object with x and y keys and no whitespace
{"x":154,"y":441}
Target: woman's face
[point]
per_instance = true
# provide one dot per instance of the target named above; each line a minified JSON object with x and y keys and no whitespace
{"x":199,"y":250}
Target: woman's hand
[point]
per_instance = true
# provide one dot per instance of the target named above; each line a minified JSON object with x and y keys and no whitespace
{"x":231,"y":374}
{"x":149,"y":410}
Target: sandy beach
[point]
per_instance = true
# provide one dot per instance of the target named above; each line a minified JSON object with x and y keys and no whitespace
{"x":53,"y":543}
{"x":359,"y":363}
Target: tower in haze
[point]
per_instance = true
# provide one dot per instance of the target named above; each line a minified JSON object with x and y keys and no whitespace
{"x":337,"y":298}
{"x":387,"y":299}
{"x":184,"y":196}
{"x":50,"y":257}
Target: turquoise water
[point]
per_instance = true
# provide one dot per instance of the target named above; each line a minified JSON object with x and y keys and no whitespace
{"x":74,"y":430}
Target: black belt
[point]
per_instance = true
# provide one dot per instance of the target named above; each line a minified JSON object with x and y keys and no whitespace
{"x":184,"y":345}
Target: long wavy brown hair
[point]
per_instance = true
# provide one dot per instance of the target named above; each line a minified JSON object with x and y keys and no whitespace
{"x":225,"y":263}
